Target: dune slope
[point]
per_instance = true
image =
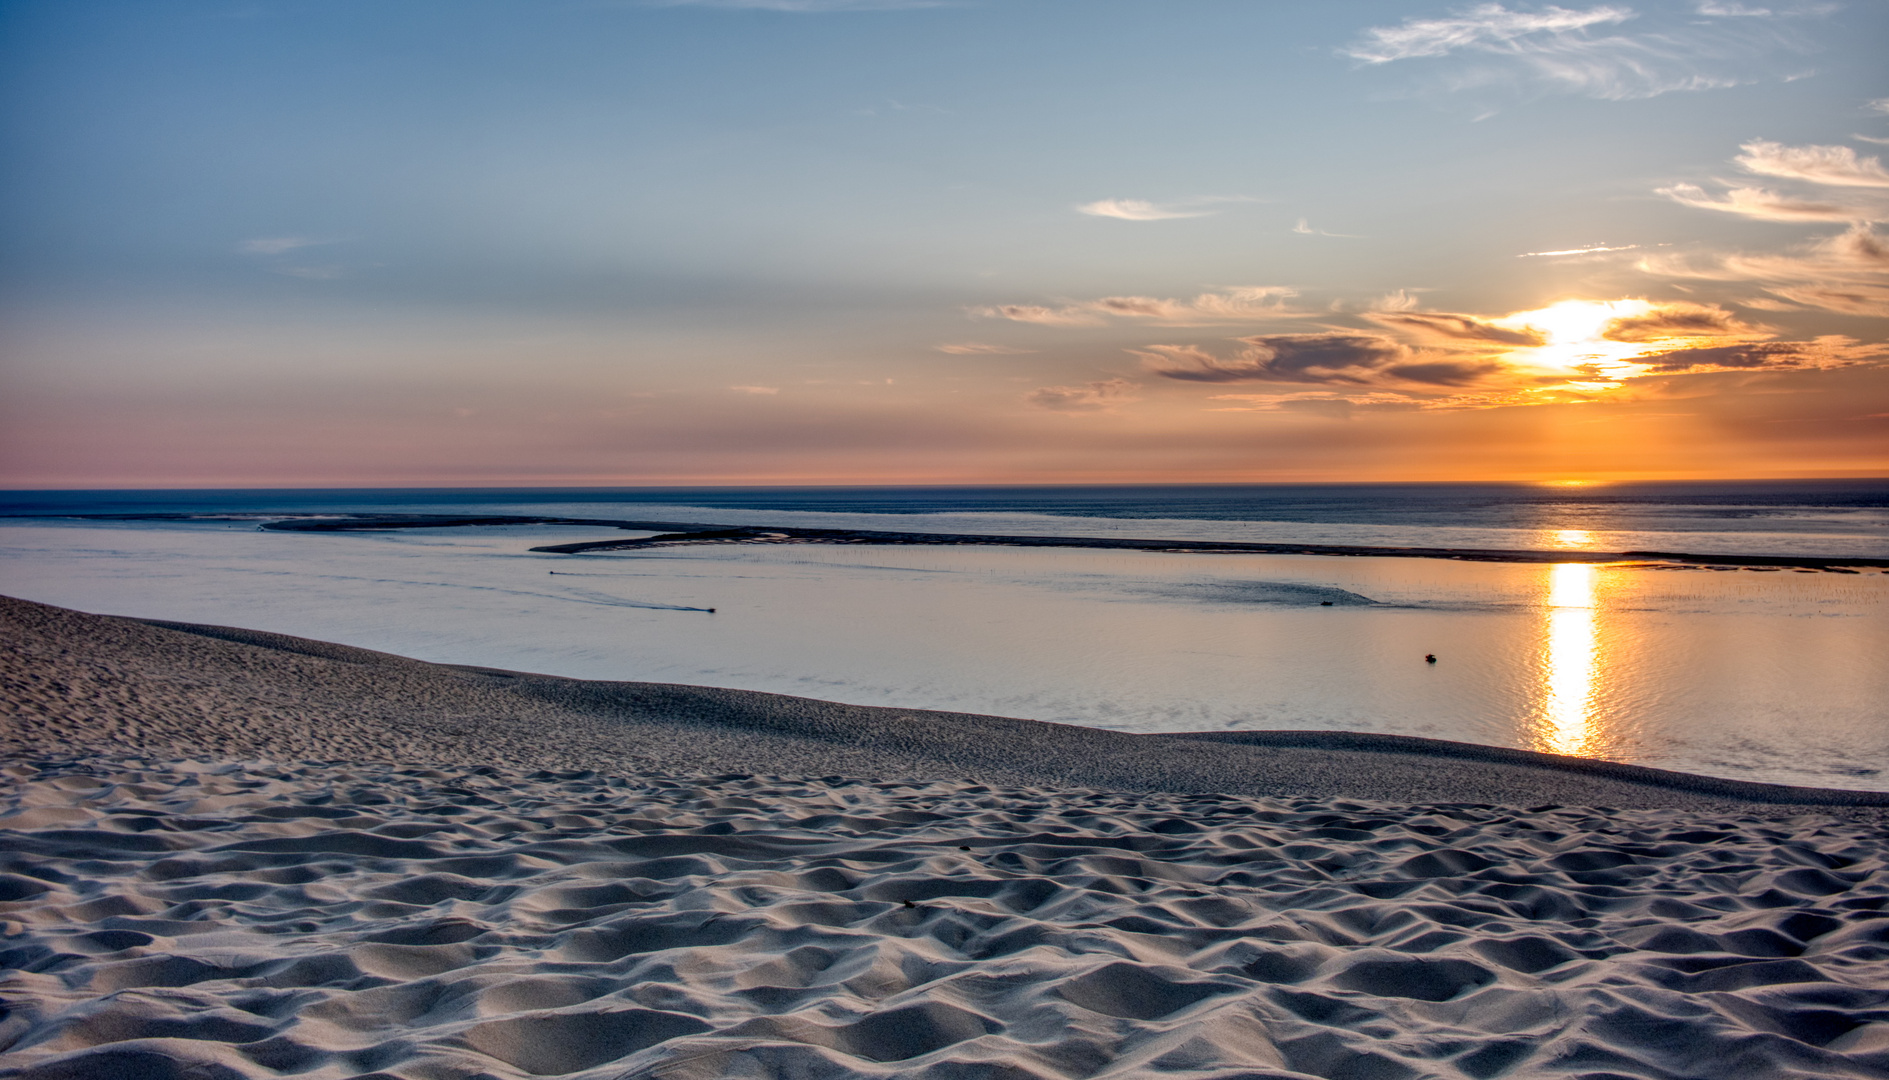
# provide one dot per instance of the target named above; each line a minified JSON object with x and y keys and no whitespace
{"x":122,"y":686}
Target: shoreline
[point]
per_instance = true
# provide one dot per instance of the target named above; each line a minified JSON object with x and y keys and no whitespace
{"x":680,"y":534}
{"x":346,"y":699}
{"x":242,"y":855}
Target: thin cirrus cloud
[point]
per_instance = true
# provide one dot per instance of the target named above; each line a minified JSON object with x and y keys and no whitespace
{"x":1593,"y":52}
{"x":1400,"y":300}
{"x":1846,"y":273}
{"x":272,"y":247}
{"x":1092,"y":397}
{"x":1448,"y":327}
{"x":1837,"y":165}
{"x":1486,"y":27}
{"x":1137,"y":210}
{"x":1240,"y":304}
{"x":1304,"y":228}
{"x":978,"y":348}
{"x":1145,"y":210}
{"x":804,"y":6}
{"x":1762,"y":204}
{"x":279,"y":245}
{"x":1330,"y":405}
{"x":312,"y":273}
{"x":1595,"y":250}
{"x":1820,"y":167}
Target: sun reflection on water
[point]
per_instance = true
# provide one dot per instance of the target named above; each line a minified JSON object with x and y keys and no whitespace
{"x":1569,"y":667}
{"x":1572,"y":538}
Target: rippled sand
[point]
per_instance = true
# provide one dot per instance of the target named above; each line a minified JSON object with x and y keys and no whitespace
{"x":194,"y":882}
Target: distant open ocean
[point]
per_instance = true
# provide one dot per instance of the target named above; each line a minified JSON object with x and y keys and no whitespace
{"x":1757,"y":674}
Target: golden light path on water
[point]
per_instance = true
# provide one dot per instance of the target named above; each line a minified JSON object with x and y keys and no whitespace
{"x":1569,"y":668}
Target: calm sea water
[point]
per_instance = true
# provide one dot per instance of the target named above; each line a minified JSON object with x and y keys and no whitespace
{"x":1823,"y":517}
{"x":1772,"y":675}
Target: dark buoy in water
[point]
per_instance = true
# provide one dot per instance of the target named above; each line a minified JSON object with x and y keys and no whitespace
{"x":1324,"y":603}
{"x":711,"y":611}
{"x":1429,"y":658}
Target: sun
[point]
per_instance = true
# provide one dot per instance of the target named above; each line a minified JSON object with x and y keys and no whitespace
{"x":1575,"y":322}
{"x":1574,"y":341}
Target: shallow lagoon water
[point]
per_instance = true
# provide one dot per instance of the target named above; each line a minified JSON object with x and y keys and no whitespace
{"x":1828,"y":518}
{"x":1767,"y":675}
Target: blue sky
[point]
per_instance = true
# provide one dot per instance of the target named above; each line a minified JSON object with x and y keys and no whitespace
{"x":626,"y":242}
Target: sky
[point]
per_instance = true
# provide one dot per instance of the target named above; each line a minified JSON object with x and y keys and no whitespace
{"x":643,"y":242}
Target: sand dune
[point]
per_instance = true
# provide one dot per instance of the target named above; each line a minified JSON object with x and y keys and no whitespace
{"x":74,"y":682}
{"x":234,"y":855}
{"x":338,"y":920}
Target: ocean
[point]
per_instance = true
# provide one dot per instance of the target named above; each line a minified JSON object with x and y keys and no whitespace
{"x":1771,"y":674}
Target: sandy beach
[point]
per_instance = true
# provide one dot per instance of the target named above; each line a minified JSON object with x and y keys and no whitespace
{"x":236,"y":854}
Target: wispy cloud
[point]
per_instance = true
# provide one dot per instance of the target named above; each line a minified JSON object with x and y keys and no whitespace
{"x":1589,"y":51}
{"x":978,"y":348}
{"x":1836,"y":165}
{"x":1145,"y":210}
{"x":1815,"y":166}
{"x":1304,"y":228}
{"x":278,"y":245}
{"x":1137,"y":210}
{"x":756,"y":389}
{"x":1326,"y":404}
{"x":1067,"y":315}
{"x":1847,"y":273}
{"x":1595,"y":250}
{"x":1486,"y":27}
{"x":1450,"y":327}
{"x":1763,"y":204}
{"x":806,"y":6}
{"x":1091,"y":397}
{"x":271,"y":248}
{"x":1243,"y":304}
{"x":1401,"y":300}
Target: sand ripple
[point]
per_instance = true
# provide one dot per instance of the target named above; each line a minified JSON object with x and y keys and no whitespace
{"x":171,"y":919}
